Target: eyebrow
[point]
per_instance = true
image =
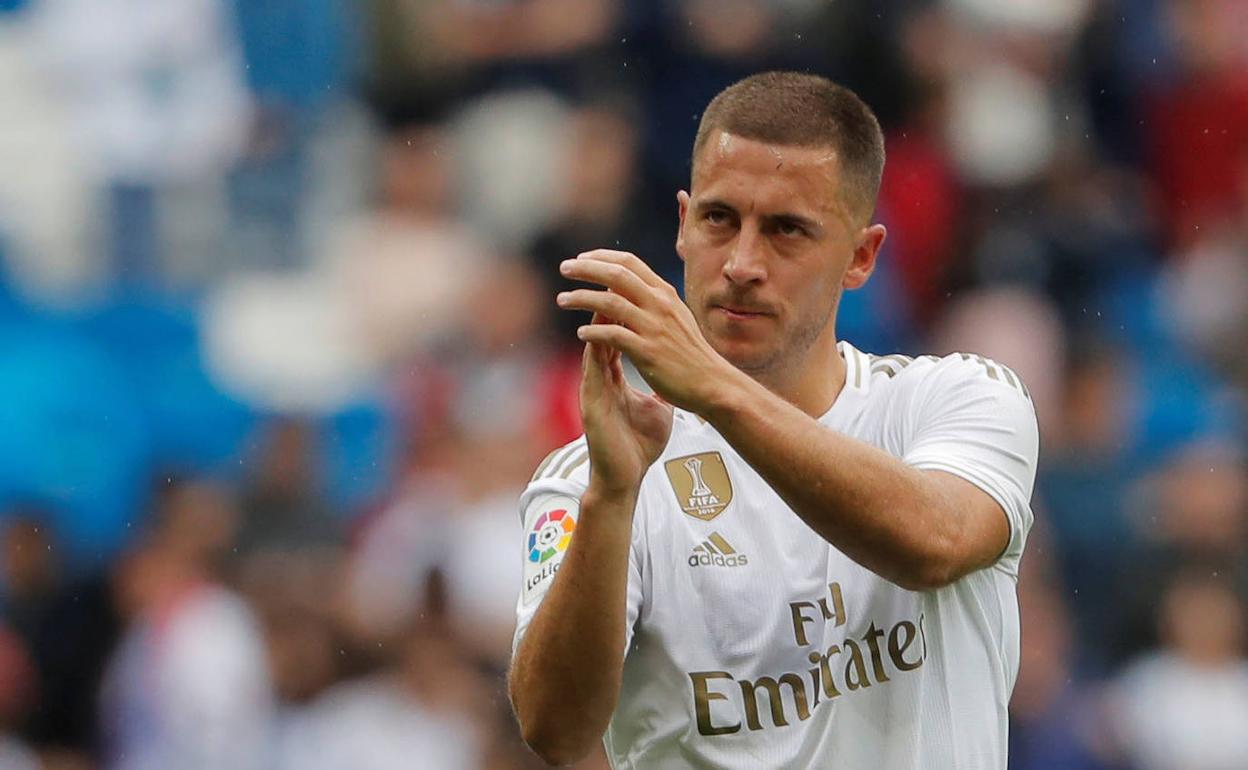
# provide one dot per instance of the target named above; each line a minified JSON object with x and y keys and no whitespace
{"x":811,"y":225}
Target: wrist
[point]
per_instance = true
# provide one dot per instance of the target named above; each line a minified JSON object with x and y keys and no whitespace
{"x":611,"y":496}
{"x":728,"y":399}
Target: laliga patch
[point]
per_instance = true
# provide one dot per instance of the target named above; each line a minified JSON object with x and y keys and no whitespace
{"x":547,"y":536}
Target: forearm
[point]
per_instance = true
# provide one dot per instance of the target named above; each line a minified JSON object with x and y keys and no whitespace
{"x":566,"y":676}
{"x":880,"y":512}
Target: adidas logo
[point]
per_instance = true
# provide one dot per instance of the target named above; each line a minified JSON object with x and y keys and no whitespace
{"x":716,"y":552}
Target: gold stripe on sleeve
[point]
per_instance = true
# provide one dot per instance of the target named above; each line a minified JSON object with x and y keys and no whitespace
{"x":545,"y":462}
{"x":558,"y":458}
{"x":578,"y":462}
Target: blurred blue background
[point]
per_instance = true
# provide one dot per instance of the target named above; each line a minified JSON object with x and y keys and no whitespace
{"x":278,"y":347}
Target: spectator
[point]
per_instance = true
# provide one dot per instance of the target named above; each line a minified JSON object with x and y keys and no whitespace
{"x":423,"y":709}
{"x":1185,"y":704}
{"x":1054,"y":720}
{"x":68,"y":624}
{"x":189,"y":685}
{"x":1198,"y":124}
{"x":407,"y":266}
{"x":1193,"y":510}
{"x":282,"y":506}
{"x":17,"y":689}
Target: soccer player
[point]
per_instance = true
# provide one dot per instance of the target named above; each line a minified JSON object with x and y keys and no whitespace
{"x":792,"y":554}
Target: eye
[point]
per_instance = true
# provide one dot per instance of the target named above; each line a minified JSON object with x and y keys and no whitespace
{"x":717,"y":217}
{"x":790,"y":229}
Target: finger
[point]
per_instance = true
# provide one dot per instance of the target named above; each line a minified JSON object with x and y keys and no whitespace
{"x":605,"y":304}
{"x":591,"y":369}
{"x":615,"y":277}
{"x":614,"y":336}
{"x":632,"y":262}
{"x":611,"y":357}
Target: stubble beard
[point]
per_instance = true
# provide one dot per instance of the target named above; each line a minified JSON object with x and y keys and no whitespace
{"x":771,"y":364}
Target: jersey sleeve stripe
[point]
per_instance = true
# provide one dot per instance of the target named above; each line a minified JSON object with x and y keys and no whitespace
{"x":578,"y":462}
{"x":996,"y":370}
{"x":989,"y":365}
{"x":568,"y":453}
{"x":545,"y":462}
{"x":553,"y":460}
{"x":890,"y":365}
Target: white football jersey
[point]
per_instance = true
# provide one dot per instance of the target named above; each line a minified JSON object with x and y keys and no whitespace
{"x":754,"y":643}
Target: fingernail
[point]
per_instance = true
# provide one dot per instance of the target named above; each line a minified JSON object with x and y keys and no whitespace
{"x":561,"y":297}
{"x":565,"y":265}
{"x":580,"y":333}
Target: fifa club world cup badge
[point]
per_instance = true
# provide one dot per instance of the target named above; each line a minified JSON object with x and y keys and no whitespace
{"x":701,"y":484}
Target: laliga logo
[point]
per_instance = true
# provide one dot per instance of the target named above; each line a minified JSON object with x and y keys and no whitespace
{"x":550,"y":536}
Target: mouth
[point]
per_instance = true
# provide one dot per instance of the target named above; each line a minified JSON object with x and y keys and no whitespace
{"x":739,"y":313}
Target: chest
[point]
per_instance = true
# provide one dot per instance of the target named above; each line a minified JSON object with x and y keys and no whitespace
{"x":732,"y":576}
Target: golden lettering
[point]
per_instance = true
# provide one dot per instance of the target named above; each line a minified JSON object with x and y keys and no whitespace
{"x":897,"y":648}
{"x":872,"y":638}
{"x":900,"y":638}
{"x":800,"y":621}
{"x":825,"y":670}
{"x":772,"y":687}
{"x":856,"y":676}
{"x":702,"y":697}
{"x":923,"y":636}
{"x":838,"y":605}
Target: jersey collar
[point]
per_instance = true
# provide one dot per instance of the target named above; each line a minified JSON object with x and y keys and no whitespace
{"x":857,"y":382}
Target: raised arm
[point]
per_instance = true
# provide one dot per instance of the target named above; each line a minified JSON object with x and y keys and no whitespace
{"x":565,"y":675}
{"x":919,"y":526}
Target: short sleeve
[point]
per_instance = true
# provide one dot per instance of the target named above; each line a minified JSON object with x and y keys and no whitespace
{"x":973,"y":418}
{"x":549,"y":511}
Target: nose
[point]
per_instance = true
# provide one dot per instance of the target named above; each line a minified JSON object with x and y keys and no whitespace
{"x":746,"y":263}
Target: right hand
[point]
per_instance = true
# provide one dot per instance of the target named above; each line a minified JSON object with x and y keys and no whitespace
{"x":625,"y":428}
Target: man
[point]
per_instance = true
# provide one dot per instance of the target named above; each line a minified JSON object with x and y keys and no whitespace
{"x":792,"y":554}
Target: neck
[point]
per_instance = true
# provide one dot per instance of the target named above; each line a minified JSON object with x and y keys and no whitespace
{"x":811,"y":384}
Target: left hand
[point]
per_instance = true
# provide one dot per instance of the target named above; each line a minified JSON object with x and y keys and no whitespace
{"x":653,"y":326}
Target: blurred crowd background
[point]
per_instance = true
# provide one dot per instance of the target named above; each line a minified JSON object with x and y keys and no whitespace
{"x":278,"y":347}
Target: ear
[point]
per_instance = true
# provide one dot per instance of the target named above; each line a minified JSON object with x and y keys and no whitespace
{"x":866,"y":249}
{"x":682,"y":201}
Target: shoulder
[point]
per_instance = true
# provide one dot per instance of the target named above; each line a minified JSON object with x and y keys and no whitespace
{"x":563,"y":462}
{"x":924,"y":374}
{"x":564,"y":471}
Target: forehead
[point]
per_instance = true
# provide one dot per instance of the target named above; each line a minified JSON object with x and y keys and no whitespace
{"x":735,"y":170}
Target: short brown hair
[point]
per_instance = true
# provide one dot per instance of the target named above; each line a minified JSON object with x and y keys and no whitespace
{"x":801,"y":110}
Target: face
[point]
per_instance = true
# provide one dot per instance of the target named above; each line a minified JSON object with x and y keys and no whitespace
{"x":769,"y":245}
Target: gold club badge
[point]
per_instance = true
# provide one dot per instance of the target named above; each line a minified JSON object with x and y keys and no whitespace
{"x":701,"y":483}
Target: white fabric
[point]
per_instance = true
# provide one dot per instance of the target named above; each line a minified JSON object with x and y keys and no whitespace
{"x":191,"y":690}
{"x":1173,"y":713}
{"x":917,"y":680}
{"x":14,"y":755}
{"x":374,"y":725}
{"x":156,"y":86}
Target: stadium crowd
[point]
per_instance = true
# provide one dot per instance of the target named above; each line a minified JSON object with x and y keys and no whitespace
{"x":278,"y":346}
